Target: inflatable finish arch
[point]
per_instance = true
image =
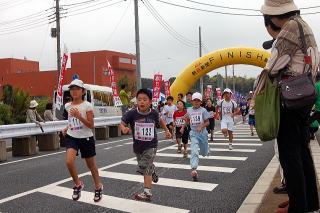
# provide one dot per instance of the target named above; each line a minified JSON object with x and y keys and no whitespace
{"x":214,"y":60}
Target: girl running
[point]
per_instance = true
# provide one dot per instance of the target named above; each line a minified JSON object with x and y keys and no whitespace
{"x":179,"y":121}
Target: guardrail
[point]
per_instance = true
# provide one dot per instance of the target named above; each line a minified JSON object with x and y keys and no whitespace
{"x":17,"y":130}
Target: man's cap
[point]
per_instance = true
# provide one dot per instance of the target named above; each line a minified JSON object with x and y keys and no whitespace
{"x":196,"y":95}
{"x":78,"y":83}
{"x":33,"y":104}
{"x":278,"y":7}
{"x":227,"y":90}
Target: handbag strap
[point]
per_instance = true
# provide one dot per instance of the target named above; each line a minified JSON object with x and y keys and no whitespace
{"x":307,"y":59}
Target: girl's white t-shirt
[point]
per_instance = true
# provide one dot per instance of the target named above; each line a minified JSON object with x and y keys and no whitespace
{"x":76,"y":128}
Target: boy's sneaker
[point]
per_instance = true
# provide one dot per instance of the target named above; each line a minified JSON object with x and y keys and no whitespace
{"x":185,"y":154}
{"x":194,"y":175}
{"x":98,"y":194}
{"x":179,"y":149}
{"x":252,"y":134}
{"x":155,"y":177}
{"x":230,"y":146}
{"x":77,"y":191}
{"x":143,"y":196}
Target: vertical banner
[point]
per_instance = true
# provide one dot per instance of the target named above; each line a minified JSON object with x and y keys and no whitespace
{"x":208,"y":91}
{"x":167,"y":88}
{"x":157,"y":81}
{"x":59,"y":99}
{"x":218,"y":93}
{"x":116,"y":98}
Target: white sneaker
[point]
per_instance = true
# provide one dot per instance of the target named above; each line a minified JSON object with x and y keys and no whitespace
{"x":230,"y":146}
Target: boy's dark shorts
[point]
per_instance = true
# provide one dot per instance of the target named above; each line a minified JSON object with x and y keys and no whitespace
{"x":145,"y":161}
{"x":244,"y":113}
{"x":211,"y":125}
{"x":184,"y":136}
{"x":86,"y":145}
{"x":170,"y":125}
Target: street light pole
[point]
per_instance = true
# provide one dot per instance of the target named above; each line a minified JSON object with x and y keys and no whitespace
{"x":200,"y":55}
{"x":138,"y":70}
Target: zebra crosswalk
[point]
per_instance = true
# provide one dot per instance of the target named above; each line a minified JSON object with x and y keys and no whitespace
{"x":167,"y":160}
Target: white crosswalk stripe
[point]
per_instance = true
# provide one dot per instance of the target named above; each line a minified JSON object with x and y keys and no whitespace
{"x":121,"y":204}
{"x":161,"y":154}
{"x":224,"y":150}
{"x":162,"y":181}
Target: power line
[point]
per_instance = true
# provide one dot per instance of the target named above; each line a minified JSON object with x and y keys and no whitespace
{"x":25,"y":29}
{"x":44,"y":13}
{"x":224,"y":7}
{"x":80,"y":13}
{"x":167,"y":27}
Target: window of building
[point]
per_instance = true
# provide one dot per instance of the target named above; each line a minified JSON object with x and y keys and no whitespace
{"x":125,"y":60}
{"x":19,"y":71}
{"x":134,"y":61}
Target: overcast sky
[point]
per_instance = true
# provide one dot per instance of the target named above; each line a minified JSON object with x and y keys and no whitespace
{"x":112,"y":28}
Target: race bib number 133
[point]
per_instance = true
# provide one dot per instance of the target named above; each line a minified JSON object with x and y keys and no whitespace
{"x":144,"y":131}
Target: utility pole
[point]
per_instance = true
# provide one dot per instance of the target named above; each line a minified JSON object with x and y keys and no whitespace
{"x":200,"y":55}
{"x":136,"y":19}
{"x":58,"y":36}
{"x":233,"y":79}
{"x":94,"y":70}
{"x":226,"y":75}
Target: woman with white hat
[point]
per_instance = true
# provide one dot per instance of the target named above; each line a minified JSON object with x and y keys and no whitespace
{"x":32,"y":114}
{"x":287,"y":61}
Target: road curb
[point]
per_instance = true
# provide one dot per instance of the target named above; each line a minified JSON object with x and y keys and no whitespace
{"x":253,"y":200}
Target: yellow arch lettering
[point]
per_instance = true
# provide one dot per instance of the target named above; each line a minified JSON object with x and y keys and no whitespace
{"x":214,"y":60}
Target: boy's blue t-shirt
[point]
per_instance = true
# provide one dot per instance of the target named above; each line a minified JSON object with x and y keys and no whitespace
{"x":243,"y":106}
{"x":197,"y":117}
{"x":143,"y":128}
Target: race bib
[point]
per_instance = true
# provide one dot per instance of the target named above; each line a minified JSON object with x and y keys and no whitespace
{"x":170,"y":114}
{"x":211,"y":113}
{"x":227,"y":110}
{"x":196,"y":118}
{"x":244,"y":107}
{"x":74,"y":124}
{"x":180,"y":122}
{"x":144,"y":131}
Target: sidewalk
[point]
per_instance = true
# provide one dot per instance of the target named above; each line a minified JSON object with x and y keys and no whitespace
{"x":261,"y":198}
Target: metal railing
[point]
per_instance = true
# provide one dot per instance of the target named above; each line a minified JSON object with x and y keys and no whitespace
{"x":26,"y":129}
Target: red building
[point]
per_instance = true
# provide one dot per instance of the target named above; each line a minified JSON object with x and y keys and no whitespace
{"x":89,"y":66}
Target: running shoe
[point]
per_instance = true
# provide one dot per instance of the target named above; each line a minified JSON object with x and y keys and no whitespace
{"x":252,"y":134}
{"x":194,"y":175}
{"x":230,"y":146}
{"x":98,"y":194}
{"x":185,"y":154}
{"x":77,"y":191}
{"x":179,"y":149}
{"x":155,"y":177}
{"x":143,"y":196}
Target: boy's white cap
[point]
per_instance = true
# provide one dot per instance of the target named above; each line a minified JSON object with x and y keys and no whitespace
{"x":78,"y":83}
{"x":227,"y":90}
{"x":33,"y":104}
{"x":250,"y":92}
{"x":196,"y":95}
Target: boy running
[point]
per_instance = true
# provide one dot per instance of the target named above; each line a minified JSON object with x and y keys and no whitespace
{"x":228,"y":110}
{"x":78,"y":135}
{"x":244,"y":109}
{"x":142,"y":122}
{"x":252,"y":119}
{"x":211,"y":110}
{"x":167,"y":112}
{"x":179,"y":121}
{"x":198,"y":118}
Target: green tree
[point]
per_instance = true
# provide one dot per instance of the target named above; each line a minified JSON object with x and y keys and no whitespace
{"x":20,"y":104}
{"x":5,"y":114}
{"x":130,"y":84}
{"x":42,"y":105}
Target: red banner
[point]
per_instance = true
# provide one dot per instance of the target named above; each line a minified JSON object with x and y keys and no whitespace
{"x":59,"y":101}
{"x":167,"y":88}
{"x":208,"y":91}
{"x":218,"y":93}
{"x":157,"y":81}
{"x":116,"y":98}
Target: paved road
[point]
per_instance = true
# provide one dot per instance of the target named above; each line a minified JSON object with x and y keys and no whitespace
{"x":41,"y":183}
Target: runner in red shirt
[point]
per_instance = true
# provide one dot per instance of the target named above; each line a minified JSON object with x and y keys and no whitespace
{"x":179,"y":120}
